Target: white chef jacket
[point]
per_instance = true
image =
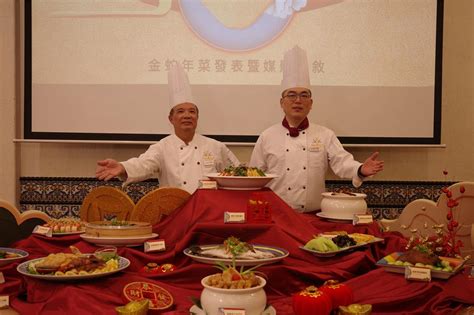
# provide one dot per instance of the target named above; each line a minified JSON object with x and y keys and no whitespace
{"x":178,"y":164}
{"x":301,"y":163}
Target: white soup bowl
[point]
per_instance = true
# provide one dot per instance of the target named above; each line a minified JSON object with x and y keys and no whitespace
{"x":253,"y":300}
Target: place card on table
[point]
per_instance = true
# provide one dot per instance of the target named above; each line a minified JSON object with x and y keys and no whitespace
{"x":417,"y":273}
{"x":155,"y":246}
{"x":362,"y":219}
{"x":4,"y":301}
{"x":43,"y":230}
{"x":2,"y":278}
{"x":231,"y":311}
{"x":234,"y":217}
{"x":207,"y":184}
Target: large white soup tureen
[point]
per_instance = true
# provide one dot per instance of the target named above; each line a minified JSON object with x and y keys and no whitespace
{"x":253,"y":300}
{"x":342,"y":206}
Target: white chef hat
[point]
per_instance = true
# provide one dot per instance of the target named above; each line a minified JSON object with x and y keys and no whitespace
{"x":295,"y":69}
{"x":178,"y":86}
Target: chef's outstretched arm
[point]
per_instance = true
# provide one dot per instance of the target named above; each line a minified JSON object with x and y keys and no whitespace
{"x":108,"y":169}
{"x":372,"y":165}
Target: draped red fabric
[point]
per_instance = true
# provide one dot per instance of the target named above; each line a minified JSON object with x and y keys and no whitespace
{"x":201,"y":221}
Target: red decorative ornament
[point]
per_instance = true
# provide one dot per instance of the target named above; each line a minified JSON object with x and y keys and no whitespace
{"x":450,"y":226}
{"x":445,"y":172}
{"x":311,"y":301}
{"x":259,"y":210}
{"x":452,"y":203}
{"x":151,"y":268}
{"x":449,"y":216}
{"x":340,"y":294}
{"x":159,"y":298}
{"x":450,"y":246}
{"x":444,"y":243}
{"x":168,"y":267}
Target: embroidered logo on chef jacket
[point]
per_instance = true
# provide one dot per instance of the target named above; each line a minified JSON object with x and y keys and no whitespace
{"x":208,"y":158}
{"x":316,"y":145}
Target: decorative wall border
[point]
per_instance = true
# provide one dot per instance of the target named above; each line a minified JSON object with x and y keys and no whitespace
{"x":62,"y":196}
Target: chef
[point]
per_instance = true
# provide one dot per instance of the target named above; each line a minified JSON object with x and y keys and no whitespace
{"x":299,"y":152}
{"x":180,"y":159}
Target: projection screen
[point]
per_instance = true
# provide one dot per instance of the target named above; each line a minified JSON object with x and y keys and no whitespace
{"x":97,"y":70}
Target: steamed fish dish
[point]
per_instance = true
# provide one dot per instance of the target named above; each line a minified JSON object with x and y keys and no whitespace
{"x":232,"y":248}
{"x":219,"y":252}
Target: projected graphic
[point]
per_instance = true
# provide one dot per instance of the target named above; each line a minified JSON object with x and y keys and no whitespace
{"x":101,"y":65}
{"x":268,"y":25}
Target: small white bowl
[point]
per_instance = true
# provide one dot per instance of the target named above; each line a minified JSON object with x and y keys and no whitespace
{"x":343,"y":206}
{"x":253,"y":300}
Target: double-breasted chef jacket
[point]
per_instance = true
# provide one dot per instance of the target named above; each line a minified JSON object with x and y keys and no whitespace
{"x":178,"y":164}
{"x":301,"y":163}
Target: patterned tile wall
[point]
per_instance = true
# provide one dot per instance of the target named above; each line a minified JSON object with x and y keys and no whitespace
{"x":59,"y":196}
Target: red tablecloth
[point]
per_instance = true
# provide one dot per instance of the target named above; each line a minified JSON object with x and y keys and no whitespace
{"x":200,"y":221}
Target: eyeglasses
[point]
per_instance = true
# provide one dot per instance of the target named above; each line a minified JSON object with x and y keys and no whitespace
{"x":304,"y":96}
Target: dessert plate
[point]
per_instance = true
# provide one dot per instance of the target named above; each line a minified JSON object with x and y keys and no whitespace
{"x":68,"y":233}
{"x":118,"y":241}
{"x":456,"y":263}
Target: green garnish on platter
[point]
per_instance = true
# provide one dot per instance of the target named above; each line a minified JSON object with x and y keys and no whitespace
{"x":236,"y":247}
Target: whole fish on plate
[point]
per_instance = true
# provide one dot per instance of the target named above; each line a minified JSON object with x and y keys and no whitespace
{"x":232,"y":247}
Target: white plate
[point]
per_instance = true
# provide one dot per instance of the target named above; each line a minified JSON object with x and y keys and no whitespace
{"x":23,"y":269}
{"x":279,"y":253}
{"x":344,"y":249}
{"x":68,"y":233}
{"x":440,"y":274}
{"x":118,"y":241}
{"x":330,"y":217}
{"x":196,"y":310}
{"x":6,"y":261}
{"x":241,"y":182}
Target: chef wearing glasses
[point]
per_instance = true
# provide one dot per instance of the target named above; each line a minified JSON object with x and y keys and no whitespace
{"x":299,"y":152}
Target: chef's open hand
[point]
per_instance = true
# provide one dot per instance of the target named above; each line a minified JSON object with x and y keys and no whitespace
{"x":108,"y":169}
{"x":372,"y":165}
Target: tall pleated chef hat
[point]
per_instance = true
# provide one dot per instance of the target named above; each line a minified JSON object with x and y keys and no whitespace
{"x":178,"y":86}
{"x":295,"y":69}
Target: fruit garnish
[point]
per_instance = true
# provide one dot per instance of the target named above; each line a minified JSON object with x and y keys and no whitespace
{"x":236,"y":247}
{"x":321,"y":244}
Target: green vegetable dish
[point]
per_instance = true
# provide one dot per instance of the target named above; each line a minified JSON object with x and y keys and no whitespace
{"x":242,"y":171}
